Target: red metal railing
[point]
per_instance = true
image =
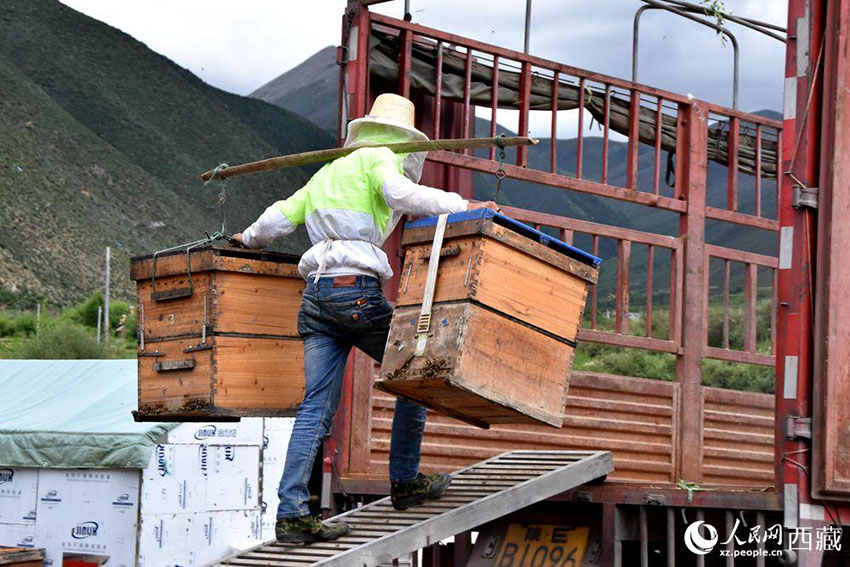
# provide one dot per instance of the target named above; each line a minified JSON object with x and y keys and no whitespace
{"x":640,"y":126}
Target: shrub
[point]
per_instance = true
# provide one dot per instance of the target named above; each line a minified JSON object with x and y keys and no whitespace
{"x":625,"y":362}
{"x":735,"y":376}
{"x":62,"y":339}
{"x":86,"y":312}
{"x":17,"y":324}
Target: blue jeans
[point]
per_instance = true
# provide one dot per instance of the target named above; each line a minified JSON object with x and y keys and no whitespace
{"x":331,"y":321}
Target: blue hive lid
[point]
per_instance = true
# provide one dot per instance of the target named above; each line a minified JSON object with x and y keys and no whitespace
{"x":516,"y":226}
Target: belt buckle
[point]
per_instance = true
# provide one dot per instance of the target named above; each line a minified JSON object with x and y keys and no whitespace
{"x":345,"y":281}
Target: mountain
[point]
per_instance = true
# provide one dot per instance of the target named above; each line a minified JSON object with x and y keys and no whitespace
{"x":102,"y":142}
{"x":310,"y":90}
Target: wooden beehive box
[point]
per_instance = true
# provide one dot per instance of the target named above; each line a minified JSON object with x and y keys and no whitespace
{"x":21,"y":556}
{"x":217,"y":334}
{"x":508,"y":305}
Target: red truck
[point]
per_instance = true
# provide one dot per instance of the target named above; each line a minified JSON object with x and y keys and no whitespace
{"x":702,"y":475}
{"x":683,"y":451}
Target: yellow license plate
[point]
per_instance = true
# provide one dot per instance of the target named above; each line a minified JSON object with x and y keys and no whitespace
{"x":542,"y":545}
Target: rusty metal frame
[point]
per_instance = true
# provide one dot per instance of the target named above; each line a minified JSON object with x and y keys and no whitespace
{"x":687,"y":13}
{"x":689,"y":252}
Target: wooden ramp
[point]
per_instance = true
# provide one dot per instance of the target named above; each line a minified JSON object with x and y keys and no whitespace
{"x":478,"y":494}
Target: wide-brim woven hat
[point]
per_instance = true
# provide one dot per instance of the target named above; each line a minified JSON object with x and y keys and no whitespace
{"x":390,"y":110}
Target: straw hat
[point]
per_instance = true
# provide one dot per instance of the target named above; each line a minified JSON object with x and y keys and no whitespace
{"x":390,"y":110}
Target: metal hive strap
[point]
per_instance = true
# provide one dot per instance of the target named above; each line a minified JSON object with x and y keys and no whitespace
{"x":480,"y":493}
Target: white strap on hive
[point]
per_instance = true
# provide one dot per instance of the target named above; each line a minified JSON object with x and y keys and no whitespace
{"x":430,"y":284}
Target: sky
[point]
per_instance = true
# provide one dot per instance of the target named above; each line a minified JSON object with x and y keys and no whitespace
{"x":239,"y":46}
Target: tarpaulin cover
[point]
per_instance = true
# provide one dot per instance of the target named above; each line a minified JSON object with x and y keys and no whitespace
{"x":73,"y":413}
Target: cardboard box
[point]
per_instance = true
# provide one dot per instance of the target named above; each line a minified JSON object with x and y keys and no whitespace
{"x":165,"y":541}
{"x":248,"y":431}
{"x":269,"y":500}
{"x":175,"y":479}
{"x":199,"y":478}
{"x":219,"y":340}
{"x":93,"y":512}
{"x":233,"y":479}
{"x":190,"y":540}
{"x":18,"y":495}
{"x":508,"y":304}
{"x":218,"y":534}
{"x":277,"y":432}
{"x":276,"y":435}
{"x":18,"y":535}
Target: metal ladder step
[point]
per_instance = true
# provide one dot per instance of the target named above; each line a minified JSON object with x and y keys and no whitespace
{"x":478,"y":494}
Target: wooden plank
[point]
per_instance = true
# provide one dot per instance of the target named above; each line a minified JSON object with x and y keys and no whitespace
{"x":425,"y":235}
{"x":141,"y":268}
{"x":456,"y":274}
{"x":176,"y":317}
{"x":488,"y":378}
{"x":256,"y":267}
{"x":258,"y":373}
{"x":544,"y":253}
{"x":256,"y":304}
{"x":21,"y":557}
{"x":530,"y":290}
{"x":498,"y":362}
{"x":216,"y":258}
{"x":178,"y":390}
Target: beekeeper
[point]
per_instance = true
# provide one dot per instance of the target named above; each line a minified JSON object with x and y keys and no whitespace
{"x":350,"y":207}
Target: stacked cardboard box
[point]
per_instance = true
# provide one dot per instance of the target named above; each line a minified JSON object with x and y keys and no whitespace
{"x":18,"y":495}
{"x":209,"y":489}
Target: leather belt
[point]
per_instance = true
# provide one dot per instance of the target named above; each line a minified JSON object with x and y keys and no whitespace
{"x":344,"y":281}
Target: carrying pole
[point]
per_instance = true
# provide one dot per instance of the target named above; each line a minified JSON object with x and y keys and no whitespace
{"x":316,"y":156}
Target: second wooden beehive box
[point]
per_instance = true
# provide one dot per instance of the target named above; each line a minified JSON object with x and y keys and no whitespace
{"x":508,"y":305}
{"x":217,"y":334}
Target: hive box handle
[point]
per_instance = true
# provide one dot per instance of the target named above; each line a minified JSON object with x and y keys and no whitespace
{"x":170,"y":365}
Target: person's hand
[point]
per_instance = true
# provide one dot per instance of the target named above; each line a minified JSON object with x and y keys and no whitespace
{"x":238,"y":239}
{"x":483,"y":205}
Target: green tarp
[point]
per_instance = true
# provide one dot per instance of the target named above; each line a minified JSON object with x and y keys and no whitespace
{"x":73,"y":414}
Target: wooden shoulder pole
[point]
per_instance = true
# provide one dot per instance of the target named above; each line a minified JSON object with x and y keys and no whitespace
{"x":306,"y":158}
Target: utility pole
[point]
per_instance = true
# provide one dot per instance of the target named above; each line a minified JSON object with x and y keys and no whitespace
{"x":106,"y":302}
{"x":38,"y":319}
{"x":99,"y":315}
{"x":527,"y":25}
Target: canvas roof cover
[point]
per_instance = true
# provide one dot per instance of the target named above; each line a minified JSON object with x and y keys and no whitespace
{"x":73,"y":414}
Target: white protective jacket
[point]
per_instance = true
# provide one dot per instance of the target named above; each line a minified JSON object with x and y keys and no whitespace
{"x":350,"y":207}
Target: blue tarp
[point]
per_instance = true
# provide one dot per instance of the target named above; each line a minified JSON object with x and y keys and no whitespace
{"x":73,"y":413}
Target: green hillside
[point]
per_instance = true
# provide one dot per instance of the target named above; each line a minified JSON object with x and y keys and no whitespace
{"x":102,"y":142}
